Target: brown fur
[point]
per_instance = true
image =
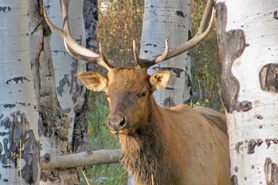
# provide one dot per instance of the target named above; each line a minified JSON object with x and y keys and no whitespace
{"x":177,"y":146}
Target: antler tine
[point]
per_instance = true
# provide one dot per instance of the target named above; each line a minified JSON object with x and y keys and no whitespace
{"x":73,"y":48}
{"x":104,"y":60}
{"x":51,"y":25}
{"x":146,"y":63}
{"x":163,"y":57}
{"x":135,"y":53}
{"x":206,"y":17}
{"x":99,"y":61}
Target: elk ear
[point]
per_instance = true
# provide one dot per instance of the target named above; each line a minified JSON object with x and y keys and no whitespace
{"x":160,"y":79}
{"x":93,"y":81}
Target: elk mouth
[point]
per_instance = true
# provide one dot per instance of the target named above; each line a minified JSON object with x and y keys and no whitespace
{"x":117,"y":132}
{"x":117,"y":124}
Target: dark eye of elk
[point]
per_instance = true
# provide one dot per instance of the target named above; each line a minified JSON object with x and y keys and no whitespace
{"x":143,"y":94}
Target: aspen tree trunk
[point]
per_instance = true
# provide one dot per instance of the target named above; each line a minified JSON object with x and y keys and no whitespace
{"x":71,"y":93}
{"x":168,"y":20}
{"x":248,"y":37}
{"x":90,"y":14}
{"x":61,"y":98}
{"x":19,"y":138}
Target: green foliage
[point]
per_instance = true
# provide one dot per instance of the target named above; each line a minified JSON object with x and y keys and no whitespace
{"x":118,"y":28}
{"x":205,"y":65}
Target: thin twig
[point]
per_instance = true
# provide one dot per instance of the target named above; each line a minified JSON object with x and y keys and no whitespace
{"x":85,"y":177}
{"x":152,"y":180}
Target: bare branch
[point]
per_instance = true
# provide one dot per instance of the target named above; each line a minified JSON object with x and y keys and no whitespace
{"x":82,"y":159}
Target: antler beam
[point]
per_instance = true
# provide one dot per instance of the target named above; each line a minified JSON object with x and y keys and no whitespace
{"x":203,"y":31}
{"x":73,"y":48}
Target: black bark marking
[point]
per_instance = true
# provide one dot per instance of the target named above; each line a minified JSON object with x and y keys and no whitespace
{"x":234,"y":180}
{"x":252,"y":144}
{"x":243,"y":106}
{"x":271,"y":172}
{"x":46,"y":157}
{"x":53,"y":123}
{"x":79,"y":141}
{"x":30,"y":156}
{"x":180,"y":14}
{"x":21,"y":79}
{"x":59,"y":51}
{"x":260,"y":117}
{"x":170,"y":88}
{"x":275,"y":14}
{"x":62,"y":83}
{"x":16,"y":125}
{"x":269,"y":78}
{"x":9,"y":105}
{"x":268,"y":142}
{"x":5,"y":8}
{"x":236,"y":169}
{"x":169,"y":102}
{"x":189,"y":34}
{"x":14,"y":105}
{"x":231,"y":46}
{"x":238,"y":146}
{"x":176,"y":71}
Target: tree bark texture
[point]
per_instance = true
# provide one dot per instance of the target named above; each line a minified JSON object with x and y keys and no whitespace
{"x":168,"y":20}
{"x":248,"y":37}
{"x":70,"y":92}
{"x":19,"y":138}
{"x":60,"y":96}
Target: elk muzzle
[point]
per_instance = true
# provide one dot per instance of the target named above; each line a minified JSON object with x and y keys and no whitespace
{"x":116,"y":122}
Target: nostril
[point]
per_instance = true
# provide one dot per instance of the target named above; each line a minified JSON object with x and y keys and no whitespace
{"x":116,"y":122}
{"x":122,"y":123}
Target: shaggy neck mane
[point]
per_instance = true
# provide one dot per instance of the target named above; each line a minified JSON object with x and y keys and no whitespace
{"x":143,"y":153}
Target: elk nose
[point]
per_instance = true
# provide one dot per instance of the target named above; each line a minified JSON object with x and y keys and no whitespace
{"x":116,"y":122}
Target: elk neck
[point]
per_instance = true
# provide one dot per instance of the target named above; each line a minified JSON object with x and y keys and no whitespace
{"x":143,"y":152}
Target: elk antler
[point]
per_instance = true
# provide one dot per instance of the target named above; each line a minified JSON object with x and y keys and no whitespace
{"x":159,"y":59}
{"x":73,"y":48}
{"x":203,"y":31}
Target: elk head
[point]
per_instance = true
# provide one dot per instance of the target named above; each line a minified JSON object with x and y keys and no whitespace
{"x":129,"y":97}
{"x":128,"y":90}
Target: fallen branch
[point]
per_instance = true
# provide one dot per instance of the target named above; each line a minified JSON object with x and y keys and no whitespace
{"x":51,"y":162}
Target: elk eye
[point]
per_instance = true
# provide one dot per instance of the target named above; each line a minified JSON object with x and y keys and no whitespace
{"x":143,"y":94}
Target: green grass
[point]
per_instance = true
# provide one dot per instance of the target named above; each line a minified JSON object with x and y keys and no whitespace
{"x":101,"y":138}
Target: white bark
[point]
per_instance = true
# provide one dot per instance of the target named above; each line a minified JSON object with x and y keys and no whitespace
{"x":168,"y":20}
{"x":71,"y":94}
{"x":252,"y":112}
{"x":18,"y":106}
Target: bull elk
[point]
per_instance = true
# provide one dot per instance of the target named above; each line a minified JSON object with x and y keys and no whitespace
{"x":161,"y":146}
